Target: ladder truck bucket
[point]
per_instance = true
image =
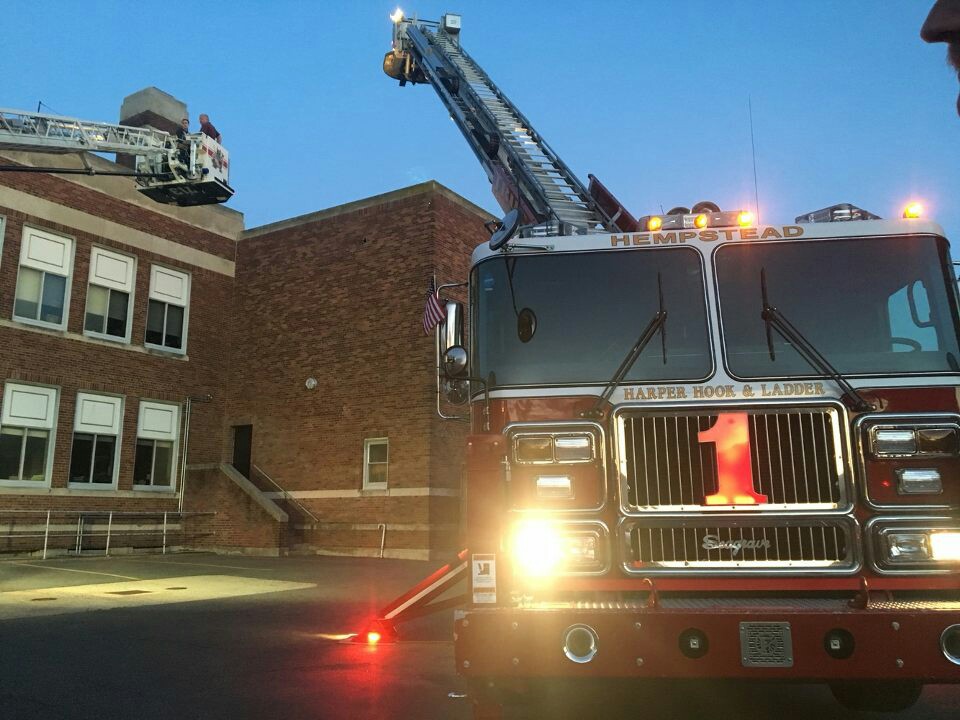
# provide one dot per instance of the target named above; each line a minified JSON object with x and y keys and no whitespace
{"x":190,"y":172}
{"x":176,"y":192}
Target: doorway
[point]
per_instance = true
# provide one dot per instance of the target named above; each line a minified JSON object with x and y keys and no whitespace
{"x":242,"y":444}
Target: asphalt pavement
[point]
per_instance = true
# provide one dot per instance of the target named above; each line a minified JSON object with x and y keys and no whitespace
{"x":206,"y":636}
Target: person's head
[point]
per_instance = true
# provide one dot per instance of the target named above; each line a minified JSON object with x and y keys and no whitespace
{"x":184,"y":123}
{"x":204,"y":118}
{"x":943,"y":25}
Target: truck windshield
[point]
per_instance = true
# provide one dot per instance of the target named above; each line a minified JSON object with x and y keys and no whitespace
{"x":869,"y":305}
{"x":571,"y":318}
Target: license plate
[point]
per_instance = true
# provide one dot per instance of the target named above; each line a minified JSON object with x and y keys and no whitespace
{"x":766,"y":644}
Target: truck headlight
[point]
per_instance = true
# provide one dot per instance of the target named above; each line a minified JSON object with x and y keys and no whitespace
{"x":908,"y":547}
{"x":922,"y":441}
{"x":573,"y":448}
{"x":541,"y":548}
{"x":903,"y":546}
{"x":566,"y":447}
{"x":534,"y":449}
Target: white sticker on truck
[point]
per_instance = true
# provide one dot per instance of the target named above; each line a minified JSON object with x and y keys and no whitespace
{"x":484,"y":574}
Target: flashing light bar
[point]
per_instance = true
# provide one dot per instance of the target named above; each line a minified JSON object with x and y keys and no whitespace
{"x":697,"y":221}
{"x":843,"y":212}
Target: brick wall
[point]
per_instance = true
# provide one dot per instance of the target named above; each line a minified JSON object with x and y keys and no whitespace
{"x":72,"y":362}
{"x":336,"y":296}
{"x":339,"y":297}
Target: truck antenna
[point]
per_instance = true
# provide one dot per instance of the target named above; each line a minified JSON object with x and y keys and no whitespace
{"x":753,"y":150}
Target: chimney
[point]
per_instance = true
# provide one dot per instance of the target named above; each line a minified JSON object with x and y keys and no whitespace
{"x":152,"y":108}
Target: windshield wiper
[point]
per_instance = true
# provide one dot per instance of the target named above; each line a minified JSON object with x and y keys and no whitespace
{"x":775,"y":319}
{"x":657,"y":322}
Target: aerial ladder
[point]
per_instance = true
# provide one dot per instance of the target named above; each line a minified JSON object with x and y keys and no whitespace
{"x":526,"y":174}
{"x":191,"y":171}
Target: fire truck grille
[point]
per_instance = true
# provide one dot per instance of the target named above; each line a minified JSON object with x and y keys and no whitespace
{"x":761,"y":544}
{"x":795,"y":457}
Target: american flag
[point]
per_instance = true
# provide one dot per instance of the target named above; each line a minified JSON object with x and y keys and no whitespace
{"x":434,"y":312}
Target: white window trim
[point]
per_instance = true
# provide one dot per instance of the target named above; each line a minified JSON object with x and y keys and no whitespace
{"x":119,"y":444}
{"x":186,"y":310}
{"x":68,"y":284}
{"x":105,"y":336}
{"x":51,"y":439}
{"x":172,"y":487}
{"x":367,"y":484}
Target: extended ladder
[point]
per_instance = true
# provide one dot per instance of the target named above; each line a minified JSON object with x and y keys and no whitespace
{"x":56,"y":134}
{"x":524,"y":170}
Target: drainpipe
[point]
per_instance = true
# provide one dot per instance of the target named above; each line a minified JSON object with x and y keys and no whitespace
{"x":186,"y":444}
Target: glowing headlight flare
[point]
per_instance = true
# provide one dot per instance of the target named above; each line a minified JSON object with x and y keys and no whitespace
{"x":541,"y":548}
{"x":654,"y":224}
{"x":700,"y":221}
{"x":745,"y":218}
{"x":537,"y":548}
{"x":945,"y":546}
{"x":397,"y":15}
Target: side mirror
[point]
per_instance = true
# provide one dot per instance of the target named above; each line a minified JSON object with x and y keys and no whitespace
{"x":452,"y":335}
{"x":454,"y":362}
{"x":453,"y":358}
{"x":456,"y":392}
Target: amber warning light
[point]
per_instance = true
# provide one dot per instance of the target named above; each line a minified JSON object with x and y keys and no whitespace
{"x":913,"y":210}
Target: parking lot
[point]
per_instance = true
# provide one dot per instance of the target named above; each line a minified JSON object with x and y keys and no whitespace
{"x":205,"y":636}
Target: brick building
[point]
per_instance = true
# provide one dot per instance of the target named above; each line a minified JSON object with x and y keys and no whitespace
{"x":272,"y":383}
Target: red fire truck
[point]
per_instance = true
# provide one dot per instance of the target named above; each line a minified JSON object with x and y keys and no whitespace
{"x":700,"y":446}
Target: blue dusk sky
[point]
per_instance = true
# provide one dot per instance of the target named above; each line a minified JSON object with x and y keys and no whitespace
{"x":849,"y":105}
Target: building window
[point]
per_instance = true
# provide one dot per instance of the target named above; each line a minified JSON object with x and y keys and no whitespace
{"x":376,"y":457}
{"x":167,"y":309}
{"x":96,"y":440}
{"x":112,"y":277}
{"x":27,"y":422}
{"x":46,"y":261}
{"x":157,"y":434}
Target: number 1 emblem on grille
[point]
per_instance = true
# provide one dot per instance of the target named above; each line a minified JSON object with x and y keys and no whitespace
{"x":731,"y":437}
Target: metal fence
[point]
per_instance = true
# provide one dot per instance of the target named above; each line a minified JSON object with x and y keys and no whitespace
{"x":79,"y":532}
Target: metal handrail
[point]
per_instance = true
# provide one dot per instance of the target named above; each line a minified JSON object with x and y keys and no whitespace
{"x":60,"y":516}
{"x":287,"y":496}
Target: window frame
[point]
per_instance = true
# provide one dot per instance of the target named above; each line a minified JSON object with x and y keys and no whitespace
{"x":49,"y":425}
{"x":152,"y":297}
{"x":162,"y":436}
{"x":28,"y":231}
{"x":87,"y":429}
{"x":367,"y":444}
{"x":94,"y":252}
